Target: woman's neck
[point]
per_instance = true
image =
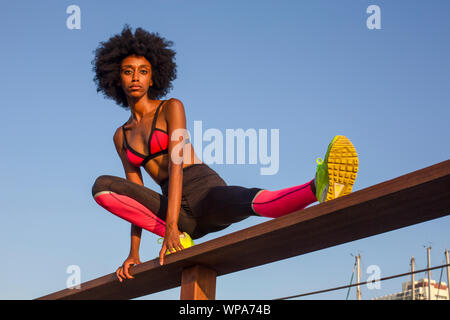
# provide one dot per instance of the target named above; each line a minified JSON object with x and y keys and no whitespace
{"x":140,"y":108}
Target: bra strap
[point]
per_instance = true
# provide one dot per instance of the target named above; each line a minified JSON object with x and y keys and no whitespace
{"x":156,"y":116}
{"x":125,"y":142}
{"x":154,"y":124}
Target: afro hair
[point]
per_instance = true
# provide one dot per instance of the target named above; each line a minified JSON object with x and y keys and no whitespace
{"x":109,"y":56}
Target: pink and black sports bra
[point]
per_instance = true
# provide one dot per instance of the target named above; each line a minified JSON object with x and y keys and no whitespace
{"x":158,"y":142}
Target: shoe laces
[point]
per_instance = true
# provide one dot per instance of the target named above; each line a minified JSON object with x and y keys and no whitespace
{"x":319,"y":162}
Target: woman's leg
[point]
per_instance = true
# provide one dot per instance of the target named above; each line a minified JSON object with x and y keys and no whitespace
{"x":221,"y":205}
{"x":274,"y":204}
{"x":137,"y":204}
{"x":224,"y":205}
{"x":335,"y":177}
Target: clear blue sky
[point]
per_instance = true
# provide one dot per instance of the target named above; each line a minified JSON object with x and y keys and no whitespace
{"x":311,"y":69}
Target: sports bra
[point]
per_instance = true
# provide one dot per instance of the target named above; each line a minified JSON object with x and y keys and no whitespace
{"x":157,"y":144}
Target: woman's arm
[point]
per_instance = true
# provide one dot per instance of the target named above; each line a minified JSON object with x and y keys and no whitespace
{"x":176,"y":127}
{"x":133,"y":174}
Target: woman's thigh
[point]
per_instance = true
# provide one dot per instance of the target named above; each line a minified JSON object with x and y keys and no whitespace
{"x":224,"y":205}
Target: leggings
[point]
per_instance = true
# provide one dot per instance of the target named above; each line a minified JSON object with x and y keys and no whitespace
{"x":208,"y":204}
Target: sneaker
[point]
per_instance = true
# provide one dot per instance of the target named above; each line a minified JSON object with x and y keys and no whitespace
{"x":336,"y":175}
{"x":185,"y":240}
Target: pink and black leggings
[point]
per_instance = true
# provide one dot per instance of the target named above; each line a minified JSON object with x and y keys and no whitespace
{"x":208,"y":204}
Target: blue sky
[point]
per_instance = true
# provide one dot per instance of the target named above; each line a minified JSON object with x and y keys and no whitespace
{"x":311,"y":69}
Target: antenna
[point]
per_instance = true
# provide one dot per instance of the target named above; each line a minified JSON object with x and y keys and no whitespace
{"x":429,"y":271}
{"x":358,"y":275}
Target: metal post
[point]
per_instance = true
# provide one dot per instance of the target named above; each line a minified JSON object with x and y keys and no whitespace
{"x":429,"y":272}
{"x":358,"y":276}
{"x":448,"y":273}
{"x":413,"y":287}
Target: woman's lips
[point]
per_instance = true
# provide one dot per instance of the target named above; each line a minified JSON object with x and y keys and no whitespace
{"x":135,"y":87}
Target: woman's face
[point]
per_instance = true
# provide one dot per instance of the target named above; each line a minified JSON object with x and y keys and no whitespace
{"x":135,"y":75}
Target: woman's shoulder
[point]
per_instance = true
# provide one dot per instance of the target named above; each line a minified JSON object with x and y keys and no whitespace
{"x":173,"y":105}
{"x":173,"y":101}
{"x":118,"y":137}
{"x":118,"y":133}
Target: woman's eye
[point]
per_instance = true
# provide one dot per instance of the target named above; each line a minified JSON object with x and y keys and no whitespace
{"x":129,"y":71}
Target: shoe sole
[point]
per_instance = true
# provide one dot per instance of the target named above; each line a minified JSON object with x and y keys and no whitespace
{"x":342,"y":166}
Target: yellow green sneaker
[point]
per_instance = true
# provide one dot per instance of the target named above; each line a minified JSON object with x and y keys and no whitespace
{"x":336,"y":174}
{"x":185,"y":240}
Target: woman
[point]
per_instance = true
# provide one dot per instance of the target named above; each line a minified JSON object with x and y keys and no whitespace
{"x":136,"y":71}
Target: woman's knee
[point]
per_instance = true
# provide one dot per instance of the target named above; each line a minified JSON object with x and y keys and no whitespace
{"x":102,"y":184}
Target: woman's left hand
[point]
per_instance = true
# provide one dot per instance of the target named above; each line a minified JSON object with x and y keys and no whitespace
{"x":171,"y":243}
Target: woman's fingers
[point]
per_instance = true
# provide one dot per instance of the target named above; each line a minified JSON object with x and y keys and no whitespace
{"x":162,"y":253}
{"x":118,"y":274}
{"x":126,"y":271}
{"x":178,"y":247}
{"x":123,"y":272}
{"x":172,"y":247}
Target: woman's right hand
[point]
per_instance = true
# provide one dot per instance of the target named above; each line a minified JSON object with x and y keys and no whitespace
{"x":123,"y":271}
